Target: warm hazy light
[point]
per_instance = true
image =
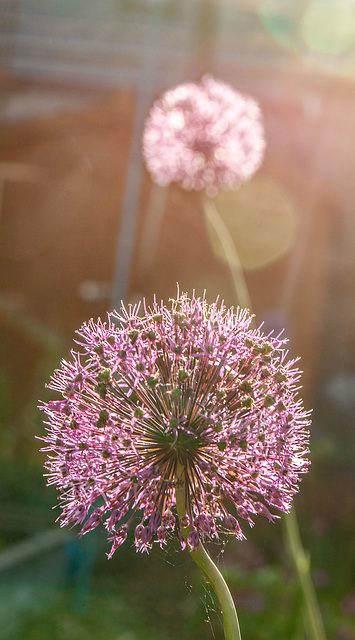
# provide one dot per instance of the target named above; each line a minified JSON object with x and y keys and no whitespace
{"x":278,"y":20}
{"x":328,"y":27}
{"x":320,"y":32}
{"x":261,"y":219}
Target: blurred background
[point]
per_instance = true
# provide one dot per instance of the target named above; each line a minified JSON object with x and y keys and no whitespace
{"x":82,"y":227}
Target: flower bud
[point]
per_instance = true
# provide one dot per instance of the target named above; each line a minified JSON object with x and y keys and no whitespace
{"x":91,"y":523}
{"x":193,"y":540}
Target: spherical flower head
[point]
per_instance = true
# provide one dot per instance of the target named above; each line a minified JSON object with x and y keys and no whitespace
{"x":185,"y":394}
{"x":203,"y":136}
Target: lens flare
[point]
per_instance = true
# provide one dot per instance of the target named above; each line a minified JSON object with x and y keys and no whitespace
{"x":261,"y":219}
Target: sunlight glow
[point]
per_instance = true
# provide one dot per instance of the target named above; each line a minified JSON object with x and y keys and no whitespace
{"x":261,"y":219}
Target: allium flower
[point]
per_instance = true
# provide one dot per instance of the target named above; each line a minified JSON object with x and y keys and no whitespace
{"x":203,"y":136}
{"x":163,"y":394}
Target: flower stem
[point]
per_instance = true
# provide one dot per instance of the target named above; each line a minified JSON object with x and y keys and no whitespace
{"x":207,"y":566}
{"x":312,"y":616}
{"x":220,"y":228}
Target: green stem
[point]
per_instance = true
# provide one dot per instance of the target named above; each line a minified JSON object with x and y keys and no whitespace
{"x":220,"y":228}
{"x":312,"y":615}
{"x":313,"y":619}
{"x":207,"y":566}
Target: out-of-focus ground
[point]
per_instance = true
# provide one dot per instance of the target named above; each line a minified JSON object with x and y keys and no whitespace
{"x":81,"y":224}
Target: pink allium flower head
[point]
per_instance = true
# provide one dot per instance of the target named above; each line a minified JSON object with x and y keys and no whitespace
{"x":203,"y":136}
{"x":189,"y":386}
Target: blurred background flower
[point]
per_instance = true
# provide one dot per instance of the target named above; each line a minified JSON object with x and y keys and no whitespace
{"x":203,"y":136}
